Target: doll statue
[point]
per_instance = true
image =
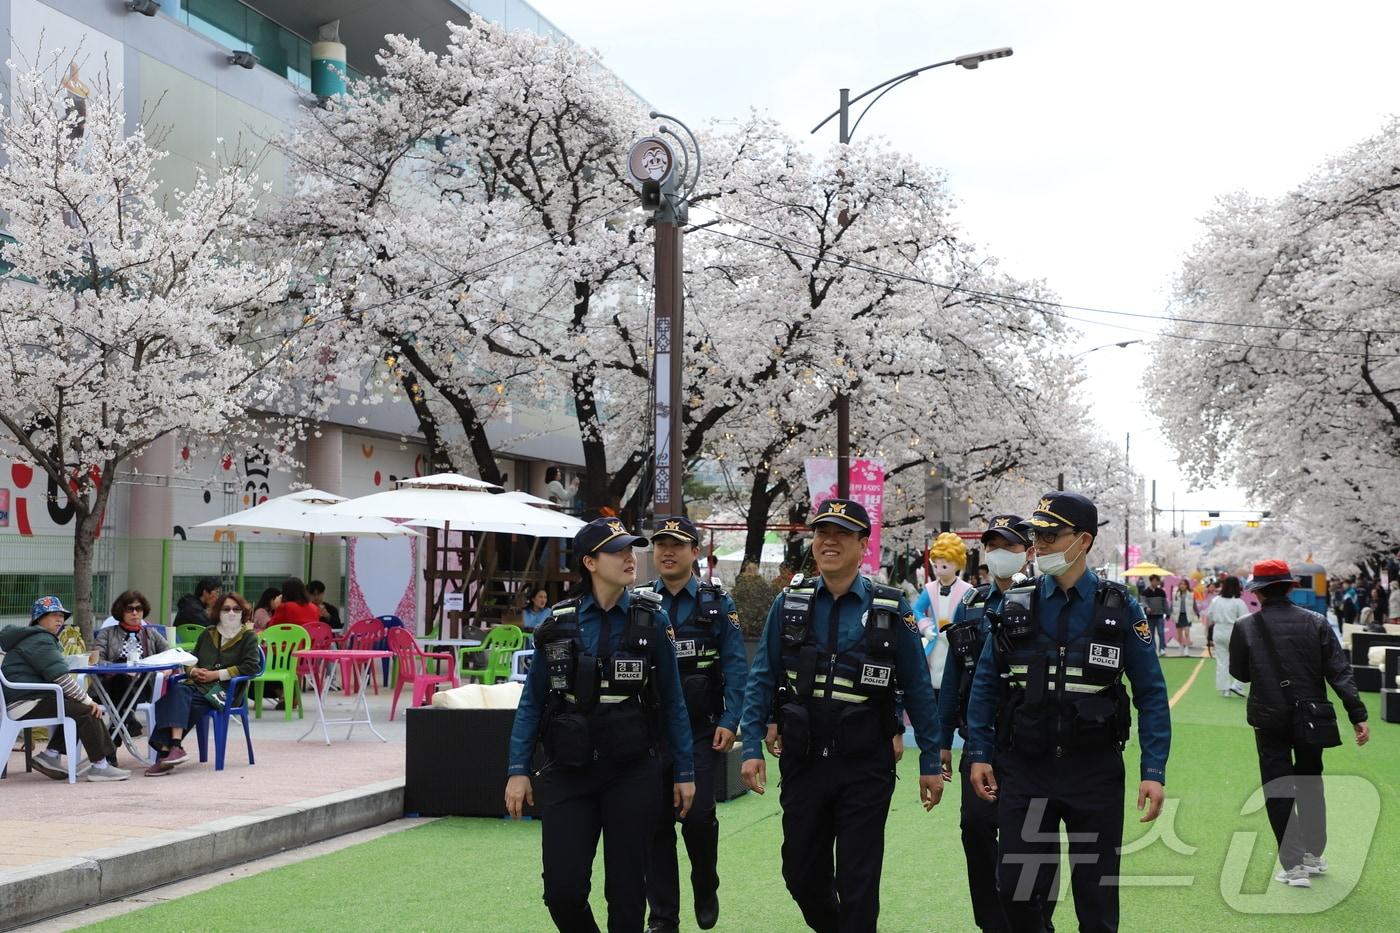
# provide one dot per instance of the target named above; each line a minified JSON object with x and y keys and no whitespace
{"x":940,"y":599}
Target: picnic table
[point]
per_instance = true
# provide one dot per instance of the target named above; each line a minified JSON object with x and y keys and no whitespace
{"x":142,"y":675}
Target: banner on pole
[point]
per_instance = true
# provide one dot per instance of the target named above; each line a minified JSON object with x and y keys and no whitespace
{"x":867,"y":488}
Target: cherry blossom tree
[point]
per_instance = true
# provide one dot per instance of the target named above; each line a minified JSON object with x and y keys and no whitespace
{"x":125,"y":315}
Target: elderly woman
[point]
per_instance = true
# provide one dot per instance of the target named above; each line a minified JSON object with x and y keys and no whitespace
{"x":33,"y":656}
{"x":224,"y":650}
{"x":130,"y":637}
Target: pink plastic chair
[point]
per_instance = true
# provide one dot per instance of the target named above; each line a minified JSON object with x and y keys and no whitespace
{"x":413,"y":668}
{"x":365,"y":635}
{"x":322,"y":638}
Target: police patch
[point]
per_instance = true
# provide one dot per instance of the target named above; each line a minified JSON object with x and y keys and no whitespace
{"x":910,"y":624}
{"x":1104,"y":655}
{"x":875,"y":675}
{"x":734,"y":620}
{"x":627,"y":671}
{"x":685,"y":649}
{"x":1144,"y":631}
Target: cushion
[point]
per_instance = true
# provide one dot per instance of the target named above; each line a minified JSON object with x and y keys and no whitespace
{"x":1376,"y":656}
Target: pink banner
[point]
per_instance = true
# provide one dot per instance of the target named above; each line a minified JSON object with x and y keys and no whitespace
{"x":867,"y":488}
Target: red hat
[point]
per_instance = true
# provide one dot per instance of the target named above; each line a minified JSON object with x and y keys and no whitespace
{"x":1268,"y":572}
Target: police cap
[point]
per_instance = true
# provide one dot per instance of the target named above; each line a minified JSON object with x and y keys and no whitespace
{"x":844,"y":513}
{"x":1010,"y":528}
{"x":1065,"y":510}
{"x":605,"y":535}
{"x":675,"y":526}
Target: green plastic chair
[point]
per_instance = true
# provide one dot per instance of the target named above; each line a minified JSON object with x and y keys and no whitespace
{"x":187,"y":634}
{"x":500,"y":643}
{"x":279,"y":642}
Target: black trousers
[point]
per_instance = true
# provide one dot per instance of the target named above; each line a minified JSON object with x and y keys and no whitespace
{"x":978,"y":821}
{"x":699,"y":829}
{"x":1291,"y":776}
{"x":617,"y":801}
{"x":1085,"y":793}
{"x":838,"y":804}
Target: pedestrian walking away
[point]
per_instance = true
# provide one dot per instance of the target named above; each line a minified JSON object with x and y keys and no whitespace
{"x":713,"y":666}
{"x":603,"y":686}
{"x":1004,"y":543}
{"x":1048,"y":718}
{"x":1287,"y":654}
{"x":1225,"y":610}
{"x":834,"y":652}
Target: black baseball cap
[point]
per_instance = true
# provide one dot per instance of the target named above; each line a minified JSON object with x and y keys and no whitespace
{"x":844,"y":513}
{"x":675,"y":526}
{"x":605,"y":535}
{"x":1066,"y":510}
{"x":1011,"y":528}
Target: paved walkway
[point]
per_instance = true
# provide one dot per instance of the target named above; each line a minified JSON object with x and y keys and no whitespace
{"x":42,"y":819}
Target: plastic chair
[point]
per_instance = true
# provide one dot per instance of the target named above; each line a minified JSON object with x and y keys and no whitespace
{"x":390,"y":665}
{"x":413,"y":669}
{"x":322,"y":638}
{"x":520,"y":664}
{"x":364,"y":635}
{"x":221,"y":717}
{"x":500,"y":643}
{"x":11,"y":728}
{"x":187,"y":634}
{"x":279,"y":642}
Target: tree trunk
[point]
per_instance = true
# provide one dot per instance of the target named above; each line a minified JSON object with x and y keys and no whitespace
{"x":85,"y":527}
{"x":596,"y":486}
{"x":761,"y":498}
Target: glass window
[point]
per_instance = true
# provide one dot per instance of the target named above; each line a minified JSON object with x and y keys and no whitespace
{"x":494,"y":10}
{"x":521,"y":16}
{"x":224,"y":21}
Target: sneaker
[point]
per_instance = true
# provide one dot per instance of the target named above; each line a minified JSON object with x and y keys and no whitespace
{"x":50,"y":763}
{"x":1161,"y":652}
{"x":1294,"y":877}
{"x":1237,"y":691}
{"x":107,"y":773}
{"x":176,"y":756}
{"x":1315,"y":864}
{"x":160,"y":768}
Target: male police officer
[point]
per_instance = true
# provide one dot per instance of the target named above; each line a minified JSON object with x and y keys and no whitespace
{"x":713,"y":667}
{"x":1048,"y":695}
{"x":1005,"y":543}
{"x":833,"y":653}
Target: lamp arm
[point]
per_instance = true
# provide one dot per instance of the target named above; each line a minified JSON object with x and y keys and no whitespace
{"x":897,"y":78}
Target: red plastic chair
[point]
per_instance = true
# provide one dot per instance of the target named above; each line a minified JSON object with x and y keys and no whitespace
{"x":322,"y":638}
{"x":413,"y":669}
{"x":364,"y":635}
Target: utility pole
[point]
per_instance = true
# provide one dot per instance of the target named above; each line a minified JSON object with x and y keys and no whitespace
{"x":1128,"y":512}
{"x":664,"y":186}
{"x":843,"y":399}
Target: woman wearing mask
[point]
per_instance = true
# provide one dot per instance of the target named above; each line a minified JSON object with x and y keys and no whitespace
{"x":1225,"y":610}
{"x":224,"y":650}
{"x":1184,"y":608}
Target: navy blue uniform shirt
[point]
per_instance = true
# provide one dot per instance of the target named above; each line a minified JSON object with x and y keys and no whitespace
{"x":674,"y":719}
{"x":948,"y":691}
{"x":1140,"y":664}
{"x":733,"y":659}
{"x":911,"y":670}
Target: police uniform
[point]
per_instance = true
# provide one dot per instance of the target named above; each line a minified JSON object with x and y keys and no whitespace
{"x":827,"y":670}
{"x":602,"y":689}
{"x":713,"y":668}
{"x":1048,"y":704}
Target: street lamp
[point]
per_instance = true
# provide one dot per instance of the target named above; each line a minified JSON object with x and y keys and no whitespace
{"x":1107,"y":346}
{"x":843,"y":401}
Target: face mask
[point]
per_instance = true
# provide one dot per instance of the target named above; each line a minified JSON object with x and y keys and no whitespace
{"x":1055,"y":564}
{"x":1003,"y":563}
{"x":231,"y":618}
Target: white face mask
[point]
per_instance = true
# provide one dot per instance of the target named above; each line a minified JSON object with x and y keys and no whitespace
{"x":1055,"y":564}
{"x":231,"y":618}
{"x":1003,"y":563}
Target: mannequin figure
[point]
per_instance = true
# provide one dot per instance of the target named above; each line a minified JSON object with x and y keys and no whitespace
{"x":940,"y":598}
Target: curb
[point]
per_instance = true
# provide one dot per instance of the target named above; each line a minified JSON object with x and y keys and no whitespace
{"x":58,"y":886}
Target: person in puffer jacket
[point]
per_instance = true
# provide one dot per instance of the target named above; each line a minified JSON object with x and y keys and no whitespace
{"x":33,"y":656}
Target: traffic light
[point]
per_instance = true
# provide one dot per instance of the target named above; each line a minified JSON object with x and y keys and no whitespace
{"x":1251,"y":524}
{"x":1205,"y":523}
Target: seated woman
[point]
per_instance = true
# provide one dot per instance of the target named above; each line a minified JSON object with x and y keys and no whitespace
{"x":225,"y":650}
{"x":33,"y":656}
{"x":268,"y":602}
{"x":115,"y":644}
{"x":536,"y":610}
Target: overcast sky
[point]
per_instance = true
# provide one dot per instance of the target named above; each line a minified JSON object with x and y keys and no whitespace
{"x":1085,"y":159}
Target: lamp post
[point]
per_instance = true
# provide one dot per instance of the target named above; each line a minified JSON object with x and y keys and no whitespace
{"x":1107,"y":346}
{"x":970,"y":62}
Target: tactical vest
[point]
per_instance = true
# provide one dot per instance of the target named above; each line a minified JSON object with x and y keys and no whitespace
{"x":837,"y":702}
{"x":1062,"y":699}
{"x":698,"y":655}
{"x":599,"y":707}
{"x":965,"y":643}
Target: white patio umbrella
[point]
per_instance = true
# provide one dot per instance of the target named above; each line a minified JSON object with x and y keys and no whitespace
{"x":528,"y":499}
{"x":454,"y":502}
{"x":303,"y":513}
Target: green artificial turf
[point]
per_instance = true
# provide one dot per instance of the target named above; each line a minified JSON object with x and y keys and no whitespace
{"x":472,"y":874}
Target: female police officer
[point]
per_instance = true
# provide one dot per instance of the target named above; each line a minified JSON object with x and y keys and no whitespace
{"x":603,"y":683}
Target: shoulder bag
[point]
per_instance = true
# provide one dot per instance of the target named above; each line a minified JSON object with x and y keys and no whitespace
{"x":1314,"y":721}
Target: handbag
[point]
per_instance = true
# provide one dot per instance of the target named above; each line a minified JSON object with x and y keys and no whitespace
{"x":1314,"y":721}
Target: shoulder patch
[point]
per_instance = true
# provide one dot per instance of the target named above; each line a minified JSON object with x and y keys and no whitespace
{"x":910,"y":623}
{"x":970,"y":597}
{"x":734,"y":620}
{"x":671,"y":634}
{"x":1143,"y":630}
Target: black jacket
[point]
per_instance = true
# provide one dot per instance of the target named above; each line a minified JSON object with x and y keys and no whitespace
{"x":190,"y":611}
{"x":1308,"y":651}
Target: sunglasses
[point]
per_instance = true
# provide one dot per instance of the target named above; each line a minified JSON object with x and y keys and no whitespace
{"x":134,"y":608}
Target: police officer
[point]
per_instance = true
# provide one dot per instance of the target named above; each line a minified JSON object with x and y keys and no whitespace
{"x":602,"y":687}
{"x":834,"y":651}
{"x":713,"y":667}
{"x":1048,"y":704}
{"x":1004,"y":544}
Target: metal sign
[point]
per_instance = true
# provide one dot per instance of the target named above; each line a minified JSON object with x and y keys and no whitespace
{"x":651,"y":159}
